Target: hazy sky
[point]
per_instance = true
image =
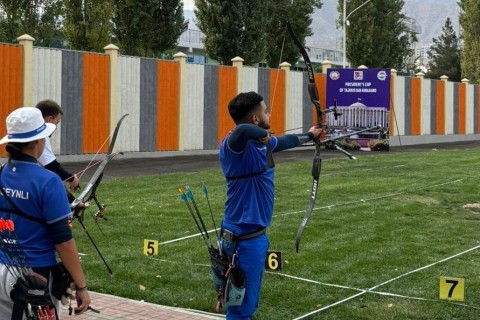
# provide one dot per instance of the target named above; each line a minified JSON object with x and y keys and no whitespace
{"x":188,"y":4}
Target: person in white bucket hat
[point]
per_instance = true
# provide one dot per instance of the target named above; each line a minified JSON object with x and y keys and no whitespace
{"x":25,"y":125}
{"x":33,"y":200}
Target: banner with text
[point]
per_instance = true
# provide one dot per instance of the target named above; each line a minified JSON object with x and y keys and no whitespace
{"x":362,"y":96}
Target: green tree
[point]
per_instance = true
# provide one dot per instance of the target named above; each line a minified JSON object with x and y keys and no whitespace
{"x":378,"y":34}
{"x":233,"y":28}
{"x":470,"y":22}
{"x":10,"y":20}
{"x":148,"y":27}
{"x":444,"y":55}
{"x":279,"y":45}
{"x":49,"y":31}
{"x":38,"y":18}
{"x":87,"y":24}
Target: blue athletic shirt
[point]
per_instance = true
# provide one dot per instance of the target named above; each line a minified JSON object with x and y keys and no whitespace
{"x":37,"y":192}
{"x":249,"y":200}
{"x":249,"y":204}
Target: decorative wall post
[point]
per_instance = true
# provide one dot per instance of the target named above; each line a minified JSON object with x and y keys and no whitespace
{"x":425,"y":124}
{"x":181,"y":58}
{"x":237,"y":62}
{"x":326,"y":64}
{"x":392,"y":119}
{"x":112,"y":51}
{"x":26,"y":42}
{"x":448,"y":106}
{"x":285,"y":66}
{"x":469,"y":107}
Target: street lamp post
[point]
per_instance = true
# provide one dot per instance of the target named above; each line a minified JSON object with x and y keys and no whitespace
{"x":345,"y":23}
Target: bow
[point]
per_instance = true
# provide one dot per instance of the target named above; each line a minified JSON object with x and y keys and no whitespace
{"x":317,"y":161}
{"x":89,"y":192}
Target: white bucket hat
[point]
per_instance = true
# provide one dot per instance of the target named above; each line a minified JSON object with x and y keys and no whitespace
{"x":26,"y":124}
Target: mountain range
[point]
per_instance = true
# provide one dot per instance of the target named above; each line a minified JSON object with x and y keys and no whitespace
{"x":430,"y":15}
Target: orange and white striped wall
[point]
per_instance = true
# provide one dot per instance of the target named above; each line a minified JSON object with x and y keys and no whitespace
{"x":430,"y":111}
{"x":177,"y":106}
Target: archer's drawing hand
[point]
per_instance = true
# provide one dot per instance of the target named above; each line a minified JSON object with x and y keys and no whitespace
{"x":75,"y":183}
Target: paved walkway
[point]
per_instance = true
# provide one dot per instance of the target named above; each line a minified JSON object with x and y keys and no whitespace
{"x":113,"y":308}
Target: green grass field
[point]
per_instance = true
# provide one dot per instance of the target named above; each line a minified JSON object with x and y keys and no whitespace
{"x":385,"y":229}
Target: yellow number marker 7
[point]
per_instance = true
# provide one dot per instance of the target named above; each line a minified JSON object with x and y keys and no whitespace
{"x":452,"y":289}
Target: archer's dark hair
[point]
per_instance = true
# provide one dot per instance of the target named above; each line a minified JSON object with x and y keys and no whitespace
{"x":49,"y":107}
{"x":14,"y":149}
{"x":242,"y":105}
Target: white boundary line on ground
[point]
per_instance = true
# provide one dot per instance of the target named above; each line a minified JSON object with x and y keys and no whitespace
{"x":316,"y":282}
{"x":343,"y":172}
{"x":187,"y":237}
{"x":362,"y":291}
{"x":141,"y":200}
{"x":371,"y":290}
{"x":382,"y":293}
{"x":390,"y":195}
{"x":328,"y":207}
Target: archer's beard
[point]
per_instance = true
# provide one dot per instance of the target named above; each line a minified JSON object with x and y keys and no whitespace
{"x":264,"y":125}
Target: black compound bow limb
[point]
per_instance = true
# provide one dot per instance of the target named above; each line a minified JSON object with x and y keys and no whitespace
{"x":89,"y":192}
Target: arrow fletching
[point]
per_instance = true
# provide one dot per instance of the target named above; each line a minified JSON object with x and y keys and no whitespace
{"x":204,"y":189}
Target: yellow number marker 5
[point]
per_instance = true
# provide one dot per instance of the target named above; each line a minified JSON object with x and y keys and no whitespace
{"x":150,"y":247}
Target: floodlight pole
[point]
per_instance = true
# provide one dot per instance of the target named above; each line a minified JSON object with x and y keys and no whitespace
{"x":345,"y":19}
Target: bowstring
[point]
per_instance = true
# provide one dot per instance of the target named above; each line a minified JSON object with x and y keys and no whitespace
{"x":94,"y":156}
{"x":88,"y":167}
{"x":278,"y":71}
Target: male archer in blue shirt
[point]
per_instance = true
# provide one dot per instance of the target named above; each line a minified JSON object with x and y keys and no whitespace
{"x":247,"y":164}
